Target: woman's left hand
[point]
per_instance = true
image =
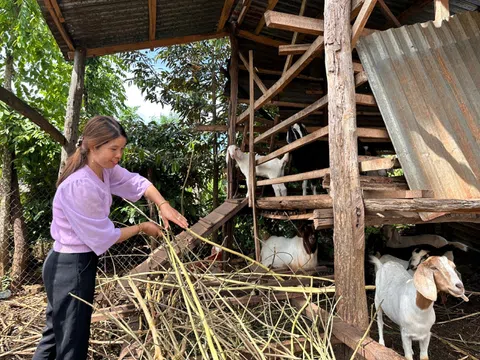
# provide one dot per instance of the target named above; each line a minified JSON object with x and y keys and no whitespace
{"x":170,"y":214}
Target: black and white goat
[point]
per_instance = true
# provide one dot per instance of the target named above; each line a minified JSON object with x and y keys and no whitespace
{"x":271,"y":169}
{"x":313,"y":156}
{"x":295,"y":253}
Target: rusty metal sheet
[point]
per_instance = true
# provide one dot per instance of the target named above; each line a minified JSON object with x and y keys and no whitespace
{"x":426,"y":81}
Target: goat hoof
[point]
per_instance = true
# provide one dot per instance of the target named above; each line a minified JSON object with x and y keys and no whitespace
{"x":424,"y":358}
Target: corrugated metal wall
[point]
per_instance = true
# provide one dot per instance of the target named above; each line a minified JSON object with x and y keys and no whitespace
{"x":426,"y":81}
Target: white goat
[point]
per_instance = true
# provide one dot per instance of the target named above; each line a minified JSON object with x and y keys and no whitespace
{"x":409,"y":301}
{"x":295,"y":253}
{"x":271,"y":169}
{"x":395,"y":240}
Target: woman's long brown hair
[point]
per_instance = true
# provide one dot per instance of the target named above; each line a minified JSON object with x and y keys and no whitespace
{"x":98,"y":131}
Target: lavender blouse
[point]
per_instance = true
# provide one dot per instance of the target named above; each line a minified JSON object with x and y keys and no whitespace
{"x":81,"y":207}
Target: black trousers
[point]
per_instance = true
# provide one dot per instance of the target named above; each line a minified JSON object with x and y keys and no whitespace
{"x":68,"y":319}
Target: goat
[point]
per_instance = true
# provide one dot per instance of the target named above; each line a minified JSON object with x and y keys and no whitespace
{"x":295,"y":253}
{"x":271,"y":169}
{"x":395,"y":240}
{"x":422,"y":252}
{"x":409,"y":301}
{"x":313,"y":156}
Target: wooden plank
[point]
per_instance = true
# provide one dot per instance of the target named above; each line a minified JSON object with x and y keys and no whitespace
{"x":367,"y":100}
{"x":293,"y":217}
{"x":290,"y":22}
{"x":388,"y":14}
{"x":348,"y":209}
{"x":270,"y":6}
{"x":295,"y":202}
{"x":397,"y":194}
{"x":295,"y":49}
{"x":291,"y":73}
{"x":356,"y":7}
{"x":59,"y":25}
{"x":295,"y":145}
{"x":430,"y":205}
{"x":150,"y":44}
{"x":227,"y":8}
{"x":260,"y":39}
{"x":375,"y":183}
{"x":373,"y":133}
{"x":152,"y":19}
{"x":357,"y":67}
{"x":361,"y":78}
{"x":348,"y":334}
{"x":442,"y":11}
{"x":377,"y":164}
{"x":243,"y":12}
{"x":315,"y":174}
{"x":258,"y":81}
{"x":26,"y":110}
{"x":361,"y":20}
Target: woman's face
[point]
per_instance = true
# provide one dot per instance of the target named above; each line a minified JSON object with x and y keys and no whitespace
{"x":108,"y":155}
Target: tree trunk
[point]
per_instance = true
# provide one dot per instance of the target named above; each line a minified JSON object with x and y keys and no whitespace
{"x":5,"y":184}
{"x":74,"y":104}
{"x":19,"y":232}
{"x":348,"y":210}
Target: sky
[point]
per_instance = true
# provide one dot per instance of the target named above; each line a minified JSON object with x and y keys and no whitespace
{"x":146,"y":109}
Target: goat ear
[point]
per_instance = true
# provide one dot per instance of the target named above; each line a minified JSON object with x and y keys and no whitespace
{"x":425,"y":283}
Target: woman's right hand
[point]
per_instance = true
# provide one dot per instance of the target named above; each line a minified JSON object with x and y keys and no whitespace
{"x":150,"y":228}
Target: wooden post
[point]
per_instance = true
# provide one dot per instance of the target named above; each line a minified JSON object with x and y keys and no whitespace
{"x":74,"y":104}
{"x":251,"y":174}
{"x":442,"y":12}
{"x":348,"y":209}
{"x":232,"y":119}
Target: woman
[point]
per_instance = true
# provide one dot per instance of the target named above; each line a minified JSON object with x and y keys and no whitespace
{"x":82,"y":231}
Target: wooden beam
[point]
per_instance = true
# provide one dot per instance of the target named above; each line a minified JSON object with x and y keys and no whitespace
{"x":252,"y":176}
{"x":280,"y":73}
{"x":442,"y":12}
{"x":260,"y":39}
{"x":293,"y":217}
{"x":351,"y":336}
{"x":292,"y":72}
{"x":257,"y":79}
{"x":227,"y":8}
{"x":232,"y":111}
{"x":270,"y":6}
{"x":361,"y":20}
{"x":315,"y":174}
{"x":348,"y":209}
{"x":367,"y":100}
{"x":293,"y":49}
{"x":356,"y":7}
{"x":152,"y":17}
{"x":290,"y":22}
{"x":361,"y":78}
{"x":375,"y":183}
{"x":57,"y":11}
{"x":289,"y":59}
{"x":388,"y":14}
{"x":243,"y":12}
{"x":397,"y":194}
{"x":151,"y":44}
{"x":279,"y":103}
{"x":295,"y":202}
{"x":295,"y":145}
{"x":319,"y":104}
{"x":59,"y":25}
{"x":419,"y":205}
{"x":26,"y":110}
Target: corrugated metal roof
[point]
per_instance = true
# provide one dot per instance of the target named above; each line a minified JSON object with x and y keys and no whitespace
{"x":102,"y":23}
{"x":426,"y":81}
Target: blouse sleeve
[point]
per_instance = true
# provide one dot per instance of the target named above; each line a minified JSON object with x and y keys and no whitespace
{"x":126,"y":184}
{"x":83,"y":205}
